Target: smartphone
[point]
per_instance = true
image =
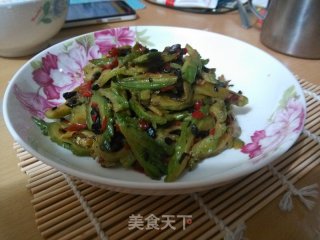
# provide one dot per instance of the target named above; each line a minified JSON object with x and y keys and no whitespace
{"x":82,"y":13}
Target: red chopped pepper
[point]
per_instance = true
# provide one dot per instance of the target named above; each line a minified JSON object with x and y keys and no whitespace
{"x":185,"y":51}
{"x":127,"y":147}
{"x":176,"y":123}
{"x":101,"y":160}
{"x":167,"y":88}
{"x":85,"y":89}
{"x":197,"y":114}
{"x":198,"y":105}
{"x":65,"y":121}
{"x":114,"y":64}
{"x":116,"y":127}
{"x":144,"y":125}
{"x":94,"y":117}
{"x":76,"y":127}
{"x":114,"y":52}
{"x":95,"y":105}
{"x":104,"y":124}
{"x":212,"y":131}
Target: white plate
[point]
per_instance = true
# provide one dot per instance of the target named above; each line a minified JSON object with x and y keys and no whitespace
{"x":271,"y":122}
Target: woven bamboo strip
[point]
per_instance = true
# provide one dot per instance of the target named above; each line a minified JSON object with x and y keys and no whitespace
{"x":311,"y":104}
{"x":31,"y":166}
{"x":50,"y":194}
{"x":37,"y":187}
{"x":76,"y":233}
{"x":75,"y":228}
{"x":64,"y":224}
{"x":60,"y":218}
{"x":309,"y":98}
{"x":45,"y":187}
{"x":91,"y":197}
{"x":49,"y":189}
{"x":26,"y":159}
{"x":57,"y":205}
{"x":311,"y":107}
{"x":315,"y":89}
{"x":44,"y":174}
{"x":52,"y":200}
{"x":109,"y":212}
{"x":301,"y":142}
{"x":33,"y":169}
{"x":89,"y":189}
{"x":45,"y":179}
{"x":96,"y":194}
{"x":100,"y":208}
{"x":314,"y":120}
{"x":310,"y":149}
{"x":315,"y":128}
{"x":90,"y":231}
{"x":86,"y":230}
{"x":40,"y":171}
{"x":126,"y":211}
{"x":314,"y":114}
{"x":57,"y":212}
{"x":48,"y":201}
{"x":17,"y":147}
{"x":244,"y":188}
{"x":312,"y":87}
{"x":23,"y":153}
{"x":103,"y":196}
{"x":291,"y":156}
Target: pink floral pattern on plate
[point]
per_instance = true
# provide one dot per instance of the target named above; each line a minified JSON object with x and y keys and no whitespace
{"x":60,"y":72}
{"x":116,"y":37}
{"x":284,"y":124}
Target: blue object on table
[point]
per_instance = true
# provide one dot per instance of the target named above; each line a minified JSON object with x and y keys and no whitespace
{"x":135,"y":4}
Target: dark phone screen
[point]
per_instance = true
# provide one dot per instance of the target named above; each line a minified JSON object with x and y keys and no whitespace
{"x":92,"y":10}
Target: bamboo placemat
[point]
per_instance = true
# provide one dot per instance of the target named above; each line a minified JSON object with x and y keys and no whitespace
{"x":67,"y":208}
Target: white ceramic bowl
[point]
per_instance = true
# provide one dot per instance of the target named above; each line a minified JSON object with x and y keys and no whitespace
{"x":27,"y":25}
{"x":270,"y":123}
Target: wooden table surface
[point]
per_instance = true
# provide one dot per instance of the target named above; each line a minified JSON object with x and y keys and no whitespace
{"x":16,"y":215}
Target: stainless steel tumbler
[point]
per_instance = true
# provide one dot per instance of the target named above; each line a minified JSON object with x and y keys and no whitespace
{"x":292,"y":27}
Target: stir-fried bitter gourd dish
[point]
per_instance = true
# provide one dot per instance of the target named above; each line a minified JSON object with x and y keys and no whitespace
{"x":160,"y":113}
